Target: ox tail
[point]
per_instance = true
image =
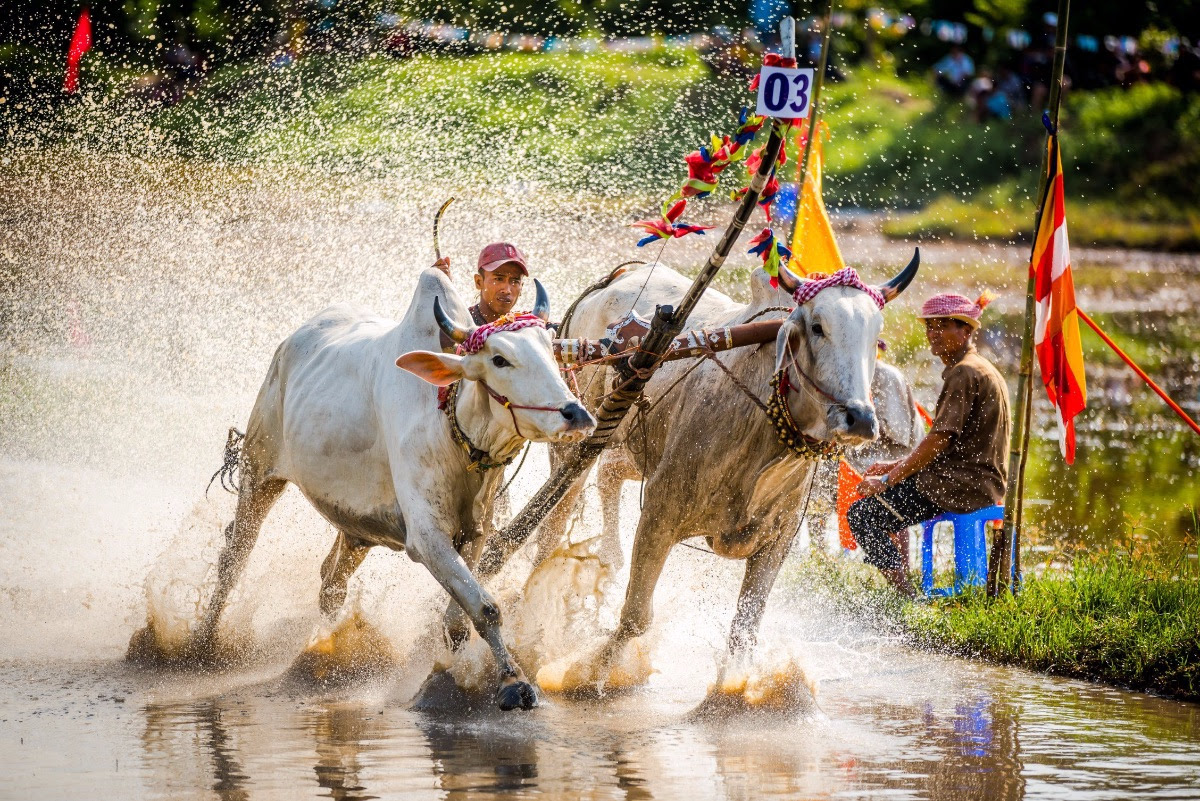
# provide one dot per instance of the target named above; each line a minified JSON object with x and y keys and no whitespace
{"x":596,"y":287}
{"x":228,"y":471}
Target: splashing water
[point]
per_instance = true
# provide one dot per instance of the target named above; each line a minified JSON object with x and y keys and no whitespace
{"x":771,"y":683}
{"x":349,"y":650}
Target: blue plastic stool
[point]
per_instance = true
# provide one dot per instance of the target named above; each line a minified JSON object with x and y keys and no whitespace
{"x":970,"y":550}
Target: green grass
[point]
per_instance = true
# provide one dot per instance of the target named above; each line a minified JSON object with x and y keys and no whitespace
{"x":1005,"y":212}
{"x":1124,"y":619}
{"x":607,"y":125}
{"x":1128,"y":160}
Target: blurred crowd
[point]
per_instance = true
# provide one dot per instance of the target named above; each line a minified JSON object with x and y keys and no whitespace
{"x":1021,"y":68}
{"x":995,"y":72}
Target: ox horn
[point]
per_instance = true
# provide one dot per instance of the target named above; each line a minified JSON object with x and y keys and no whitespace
{"x":541,"y":303}
{"x":894,"y":287}
{"x":448,"y":326}
{"x":788,"y":279}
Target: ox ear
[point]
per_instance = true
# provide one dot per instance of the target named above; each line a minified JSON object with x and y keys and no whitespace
{"x":440,"y":369}
{"x":761,"y":291}
{"x":787,"y":342}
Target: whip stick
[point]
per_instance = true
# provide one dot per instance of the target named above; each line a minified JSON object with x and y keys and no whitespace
{"x":437,"y":223}
{"x":1005,"y":550}
{"x":664,"y":327}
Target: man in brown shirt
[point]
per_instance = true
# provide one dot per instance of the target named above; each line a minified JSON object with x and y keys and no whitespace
{"x":960,"y":464}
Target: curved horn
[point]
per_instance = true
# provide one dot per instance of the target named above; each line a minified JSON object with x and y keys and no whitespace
{"x":788,"y":279}
{"x":541,"y":303}
{"x":903,"y":278}
{"x":448,"y":326}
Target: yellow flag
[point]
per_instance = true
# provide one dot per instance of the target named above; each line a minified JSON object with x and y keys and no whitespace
{"x":814,"y":250}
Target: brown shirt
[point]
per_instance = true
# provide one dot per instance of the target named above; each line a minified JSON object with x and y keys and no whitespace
{"x":973,"y":409}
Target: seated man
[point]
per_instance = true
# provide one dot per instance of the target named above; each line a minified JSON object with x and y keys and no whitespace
{"x":499,"y":276}
{"x":960,"y":465}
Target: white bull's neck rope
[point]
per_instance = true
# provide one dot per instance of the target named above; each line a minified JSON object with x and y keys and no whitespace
{"x":479,"y":460}
{"x":786,"y":431}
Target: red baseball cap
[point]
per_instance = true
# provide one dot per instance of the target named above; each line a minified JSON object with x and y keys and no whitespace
{"x":498,"y":254}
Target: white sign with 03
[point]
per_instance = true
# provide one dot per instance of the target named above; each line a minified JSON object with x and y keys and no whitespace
{"x":784,"y":92}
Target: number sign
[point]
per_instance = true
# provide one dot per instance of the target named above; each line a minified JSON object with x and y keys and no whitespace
{"x":784,"y":92}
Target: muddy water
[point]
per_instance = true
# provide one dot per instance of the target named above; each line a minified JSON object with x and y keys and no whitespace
{"x":140,"y":303}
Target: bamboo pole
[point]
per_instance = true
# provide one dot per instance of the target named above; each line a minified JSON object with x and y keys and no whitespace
{"x":814,"y":113}
{"x":1162,"y":393}
{"x":1000,"y":563}
{"x":665,"y":326}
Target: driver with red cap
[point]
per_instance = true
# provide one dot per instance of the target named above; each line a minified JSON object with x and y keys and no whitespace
{"x":501,"y":273}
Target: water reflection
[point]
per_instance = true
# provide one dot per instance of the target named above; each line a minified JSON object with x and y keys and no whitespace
{"x":469,"y":759}
{"x":342,"y":736}
{"x":938,"y":729}
{"x":180,"y":738}
{"x":981,"y":751}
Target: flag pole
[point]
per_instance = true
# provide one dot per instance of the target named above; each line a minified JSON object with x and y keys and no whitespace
{"x":815,"y":110}
{"x":1005,"y":550}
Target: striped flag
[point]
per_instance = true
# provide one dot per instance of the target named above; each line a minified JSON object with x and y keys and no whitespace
{"x":1056,"y":321}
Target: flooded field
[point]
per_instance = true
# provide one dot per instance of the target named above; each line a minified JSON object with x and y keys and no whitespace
{"x":140,"y":302}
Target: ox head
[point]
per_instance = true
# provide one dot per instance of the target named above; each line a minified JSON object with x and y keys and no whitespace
{"x":829,"y":343}
{"x":515,"y":364}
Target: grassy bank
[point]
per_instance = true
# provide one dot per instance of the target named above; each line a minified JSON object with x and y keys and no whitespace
{"x":618,"y":124}
{"x":1005,"y":213}
{"x":1127,"y":155}
{"x":1129,"y":621}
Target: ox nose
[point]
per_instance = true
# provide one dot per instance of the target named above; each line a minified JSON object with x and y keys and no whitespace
{"x":577,"y":416}
{"x":860,"y":420}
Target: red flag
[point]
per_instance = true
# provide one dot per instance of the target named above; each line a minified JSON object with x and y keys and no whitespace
{"x":1056,"y":321}
{"x":81,"y":42}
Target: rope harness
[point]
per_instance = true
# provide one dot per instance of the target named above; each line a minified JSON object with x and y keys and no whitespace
{"x":777,"y":409}
{"x":507,"y":404}
{"x":786,"y":431}
{"x":479,"y":459}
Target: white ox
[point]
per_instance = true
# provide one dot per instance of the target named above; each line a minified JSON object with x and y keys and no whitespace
{"x":367,"y":445}
{"x":899,"y":432}
{"x":712,"y":461}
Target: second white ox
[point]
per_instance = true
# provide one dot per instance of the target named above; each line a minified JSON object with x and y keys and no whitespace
{"x":366,"y":444}
{"x":714,"y":463}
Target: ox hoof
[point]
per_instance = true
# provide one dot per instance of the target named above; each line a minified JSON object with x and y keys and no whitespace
{"x":517,"y":695}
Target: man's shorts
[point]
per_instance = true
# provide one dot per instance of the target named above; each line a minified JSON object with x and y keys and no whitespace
{"x":872,"y":520}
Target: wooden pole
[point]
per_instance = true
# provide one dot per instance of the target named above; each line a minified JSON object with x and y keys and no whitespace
{"x":665,"y":326}
{"x":814,"y":111}
{"x":1000,"y":563}
{"x":1162,"y":393}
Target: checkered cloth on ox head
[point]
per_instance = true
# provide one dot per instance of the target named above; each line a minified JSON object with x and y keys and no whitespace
{"x":846,"y":276}
{"x":509,"y":322}
{"x":956,"y":307}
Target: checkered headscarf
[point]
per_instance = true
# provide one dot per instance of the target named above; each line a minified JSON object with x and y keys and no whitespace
{"x":956,"y":307}
{"x":847,"y":276}
{"x":509,"y":322}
